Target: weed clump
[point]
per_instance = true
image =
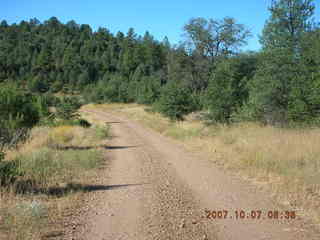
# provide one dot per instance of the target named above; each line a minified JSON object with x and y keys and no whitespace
{"x":102,"y":132}
{"x":61,"y":135}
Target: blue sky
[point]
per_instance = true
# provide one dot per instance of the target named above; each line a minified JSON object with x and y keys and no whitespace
{"x":160,"y":18}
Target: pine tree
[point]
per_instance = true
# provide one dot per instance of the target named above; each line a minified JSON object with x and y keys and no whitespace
{"x":278,"y":84}
{"x":289,"y":20}
{"x":84,"y":79}
{"x":227,"y":90}
{"x":175,"y":101}
{"x":38,"y":84}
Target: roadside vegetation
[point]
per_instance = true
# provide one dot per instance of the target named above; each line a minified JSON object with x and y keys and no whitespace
{"x":43,"y":179}
{"x":283,"y":161}
{"x":49,"y":160}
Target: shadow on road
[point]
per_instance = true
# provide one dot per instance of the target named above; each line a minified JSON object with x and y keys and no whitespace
{"x":71,"y":188}
{"x":53,"y":235}
{"x":62,"y":148}
{"x":119,"y":147}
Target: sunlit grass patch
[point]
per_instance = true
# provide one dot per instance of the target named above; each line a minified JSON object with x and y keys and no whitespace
{"x":49,"y":172}
{"x":184,"y":130}
{"x":102,"y":132}
{"x":46,"y":167}
{"x":61,"y":135}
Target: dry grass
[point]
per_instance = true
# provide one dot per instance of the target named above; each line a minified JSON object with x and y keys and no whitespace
{"x":57,"y":164}
{"x":286,"y":162}
{"x":61,"y":135}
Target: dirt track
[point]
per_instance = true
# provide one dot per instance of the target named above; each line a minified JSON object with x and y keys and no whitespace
{"x":155,"y":189}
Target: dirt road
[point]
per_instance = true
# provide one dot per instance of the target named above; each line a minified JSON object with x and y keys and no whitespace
{"x":154,"y":189}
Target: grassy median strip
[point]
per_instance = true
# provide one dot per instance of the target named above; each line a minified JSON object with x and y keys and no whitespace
{"x":43,"y":180}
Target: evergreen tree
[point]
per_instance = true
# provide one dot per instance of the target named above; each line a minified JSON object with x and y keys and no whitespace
{"x":289,"y":20}
{"x":277,"y":87}
{"x":175,"y":101}
{"x":228,"y":89}
{"x":107,"y":67}
{"x":84,"y":79}
{"x":38,"y":84}
{"x":18,"y":113}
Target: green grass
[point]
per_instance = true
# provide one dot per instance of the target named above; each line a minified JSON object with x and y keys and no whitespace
{"x":46,"y":167}
{"x":178,"y":132}
{"x":102,"y":132}
{"x":55,"y":165}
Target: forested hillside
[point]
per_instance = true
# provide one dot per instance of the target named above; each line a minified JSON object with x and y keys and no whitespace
{"x":207,"y":71}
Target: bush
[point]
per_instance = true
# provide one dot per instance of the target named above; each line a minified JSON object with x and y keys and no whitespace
{"x":18,"y":113}
{"x":67,"y":108}
{"x":148,"y":90}
{"x":16,"y":105}
{"x":82,"y":122}
{"x":42,"y":104}
{"x":1,"y":155}
{"x":60,"y":136}
{"x":113,"y":90}
{"x":175,"y":101}
{"x":9,"y":171}
{"x":227,"y":90}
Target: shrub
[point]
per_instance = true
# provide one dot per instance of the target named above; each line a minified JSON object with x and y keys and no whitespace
{"x":60,"y":136}
{"x":9,"y":171}
{"x":67,"y":108}
{"x":175,"y":101}
{"x":17,"y":106}
{"x":102,"y":132}
{"x":42,"y":104}
{"x":227,"y":90}
{"x":82,"y":122}
{"x":114,"y":89}
{"x":18,"y":113}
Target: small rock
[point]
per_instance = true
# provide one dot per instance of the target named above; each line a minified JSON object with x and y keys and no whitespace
{"x":183,"y":224}
{"x":204,"y":237}
{"x":111,"y":215}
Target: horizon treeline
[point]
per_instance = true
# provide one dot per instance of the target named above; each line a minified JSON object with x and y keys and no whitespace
{"x":279,"y":85}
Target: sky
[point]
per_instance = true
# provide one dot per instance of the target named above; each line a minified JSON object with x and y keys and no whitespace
{"x":161,"y":18}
